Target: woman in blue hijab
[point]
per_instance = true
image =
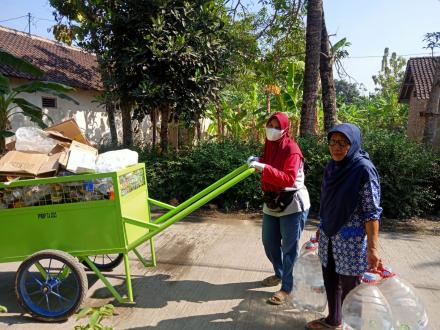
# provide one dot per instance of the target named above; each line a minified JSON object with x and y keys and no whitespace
{"x":349,"y":220}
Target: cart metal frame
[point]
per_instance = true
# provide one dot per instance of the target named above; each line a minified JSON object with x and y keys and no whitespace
{"x":83,"y":229}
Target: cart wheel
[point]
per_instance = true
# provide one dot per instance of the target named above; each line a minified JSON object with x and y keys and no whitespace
{"x":51,"y":285}
{"x":105,"y":262}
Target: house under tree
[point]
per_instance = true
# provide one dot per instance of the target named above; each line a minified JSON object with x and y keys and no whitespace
{"x":76,"y":68}
{"x":416,"y":90}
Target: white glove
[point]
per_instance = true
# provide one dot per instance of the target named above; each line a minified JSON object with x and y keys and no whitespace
{"x":257,"y":165}
{"x":252,"y":159}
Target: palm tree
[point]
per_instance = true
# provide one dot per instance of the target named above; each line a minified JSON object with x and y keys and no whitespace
{"x":12,"y":104}
{"x":327,"y":82}
{"x":311,"y":73}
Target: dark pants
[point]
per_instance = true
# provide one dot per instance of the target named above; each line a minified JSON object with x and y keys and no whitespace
{"x":337,"y":287}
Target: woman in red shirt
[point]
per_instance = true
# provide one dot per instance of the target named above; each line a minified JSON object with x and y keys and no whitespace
{"x":286,"y":202}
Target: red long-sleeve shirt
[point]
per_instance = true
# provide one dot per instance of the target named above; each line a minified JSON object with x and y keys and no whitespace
{"x":273,"y":179}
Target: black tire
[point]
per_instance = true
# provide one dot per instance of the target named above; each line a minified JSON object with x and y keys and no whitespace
{"x":66,"y":280}
{"x":105,"y":262}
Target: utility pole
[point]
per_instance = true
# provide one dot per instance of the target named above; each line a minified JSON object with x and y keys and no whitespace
{"x":29,"y":24}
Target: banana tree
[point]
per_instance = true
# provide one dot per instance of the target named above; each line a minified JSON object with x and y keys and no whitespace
{"x":11,"y":102}
{"x":290,"y":98}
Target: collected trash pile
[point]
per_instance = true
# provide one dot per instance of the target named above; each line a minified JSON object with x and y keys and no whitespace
{"x":61,"y":150}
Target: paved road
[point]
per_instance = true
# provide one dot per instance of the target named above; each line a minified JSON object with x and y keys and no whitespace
{"x":208,"y":277}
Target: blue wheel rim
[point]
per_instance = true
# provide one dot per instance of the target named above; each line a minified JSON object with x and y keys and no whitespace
{"x":52,"y":296}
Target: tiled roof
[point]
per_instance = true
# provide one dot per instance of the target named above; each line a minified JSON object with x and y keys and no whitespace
{"x":418,"y":77}
{"x":63,"y":64}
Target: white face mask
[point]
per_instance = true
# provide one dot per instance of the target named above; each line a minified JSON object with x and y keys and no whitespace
{"x":273,"y":134}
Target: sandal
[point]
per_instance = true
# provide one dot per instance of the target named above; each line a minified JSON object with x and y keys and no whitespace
{"x":271,"y":281}
{"x":321,"y":324}
{"x":278,"y":298}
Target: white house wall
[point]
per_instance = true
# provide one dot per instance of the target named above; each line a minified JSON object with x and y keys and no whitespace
{"x":90,"y":116}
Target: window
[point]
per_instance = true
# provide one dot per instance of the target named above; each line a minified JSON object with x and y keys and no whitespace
{"x":49,"y":102}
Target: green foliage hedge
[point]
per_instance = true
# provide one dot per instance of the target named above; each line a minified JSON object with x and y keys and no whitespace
{"x":410,"y":175}
{"x":183,"y":175}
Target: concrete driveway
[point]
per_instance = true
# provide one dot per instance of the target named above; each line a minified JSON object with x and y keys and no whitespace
{"x":208,"y":277}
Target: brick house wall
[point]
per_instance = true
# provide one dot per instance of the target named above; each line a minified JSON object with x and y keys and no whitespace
{"x":416,"y":122}
{"x":415,"y":91}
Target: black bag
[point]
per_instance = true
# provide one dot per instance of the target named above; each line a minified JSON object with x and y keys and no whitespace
{"x":278,"y":202}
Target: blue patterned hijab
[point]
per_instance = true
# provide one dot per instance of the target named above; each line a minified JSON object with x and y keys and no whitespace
{"x":343,"y":180}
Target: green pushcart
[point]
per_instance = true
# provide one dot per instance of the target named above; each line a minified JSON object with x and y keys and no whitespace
{"x":57,"y":225}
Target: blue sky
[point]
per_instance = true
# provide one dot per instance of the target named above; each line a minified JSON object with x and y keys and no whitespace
{"x":370,"y":26}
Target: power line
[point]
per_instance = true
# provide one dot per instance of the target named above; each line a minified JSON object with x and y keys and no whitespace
{"x":44,"y":19}
{"x":30,"y":19}
{"x":380,"y":56}
{"x":11,"y":19}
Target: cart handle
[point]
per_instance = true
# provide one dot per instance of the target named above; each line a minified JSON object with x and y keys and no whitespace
{"x":160,"y":204}
{"x":204,"y":192}
{"x":183,"y":213}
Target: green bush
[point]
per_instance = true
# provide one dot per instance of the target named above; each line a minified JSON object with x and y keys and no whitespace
{"x":410,"y":175}
{"x":183,"y":175}
{"x":316,"y":156}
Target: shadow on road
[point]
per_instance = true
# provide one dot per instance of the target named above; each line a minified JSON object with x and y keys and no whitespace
{"x":157,"y":291}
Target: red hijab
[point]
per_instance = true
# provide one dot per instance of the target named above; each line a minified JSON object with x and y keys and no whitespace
{"x":276,"y":152}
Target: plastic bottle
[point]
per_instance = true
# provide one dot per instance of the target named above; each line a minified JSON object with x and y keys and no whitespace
{"x":304,"y":246}
{"x":408,"y":311}
{"x":365,"y":308}
{"x":308,"y":291}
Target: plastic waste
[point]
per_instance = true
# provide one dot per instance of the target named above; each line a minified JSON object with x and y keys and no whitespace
{"x":407,"y":309}
{"x":115,"y":160}
{"x":304,"y":246}
{"x":35,"y":194}
{"x":365,"y":307}
{"x":33,"y":139}
{"x":308,"y":291}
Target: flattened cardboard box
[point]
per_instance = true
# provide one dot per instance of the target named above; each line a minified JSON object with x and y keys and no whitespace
{"x":28,"y":164}
{"x":82,"y":158}
{"x":68,"y":129}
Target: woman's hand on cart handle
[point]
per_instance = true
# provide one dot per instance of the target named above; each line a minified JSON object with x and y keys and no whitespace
{"x":257,"y":165}
{"x":252,"y":159}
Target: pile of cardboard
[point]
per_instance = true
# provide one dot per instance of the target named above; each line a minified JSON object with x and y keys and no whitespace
{"x":73,"y":153}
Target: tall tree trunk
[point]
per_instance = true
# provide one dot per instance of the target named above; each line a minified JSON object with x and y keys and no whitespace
{"x":268,"y":102}
{"x":327,"y":82}
{"x":198,"y":130}
{"x":127,"y":132}
{"x":311,"y":73}
{"x":109,"y":103}
{"x":220,"y":129}
{"x":3,"y":124}
{"x":110,"y":109}
{"x":432,"y":109}
{"x":165,"y":115}
{"x":153,"y":118}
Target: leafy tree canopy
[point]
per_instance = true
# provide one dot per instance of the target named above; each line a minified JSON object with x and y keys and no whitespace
{"x":347,"y":92}
{"x":158,"y":53}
